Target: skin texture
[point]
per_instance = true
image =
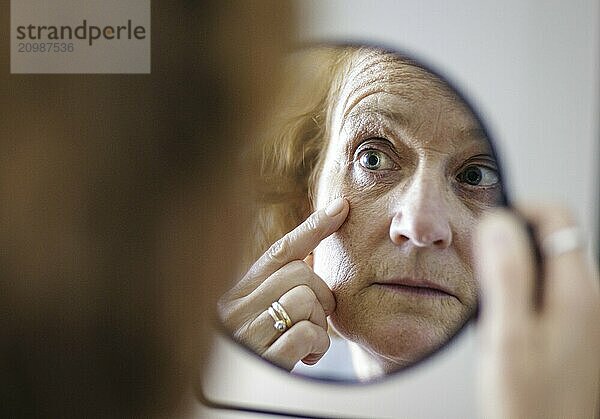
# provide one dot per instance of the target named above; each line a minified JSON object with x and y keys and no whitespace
{"x":411,"y":218}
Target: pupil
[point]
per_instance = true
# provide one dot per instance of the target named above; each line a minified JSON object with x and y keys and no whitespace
{"x":372,"y":160}
{"x":473,"y":176}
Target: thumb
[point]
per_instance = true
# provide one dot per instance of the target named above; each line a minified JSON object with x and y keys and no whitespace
{"x":504,"y":263}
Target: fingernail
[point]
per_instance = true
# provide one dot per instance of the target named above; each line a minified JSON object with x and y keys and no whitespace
{"x":335,"y":207}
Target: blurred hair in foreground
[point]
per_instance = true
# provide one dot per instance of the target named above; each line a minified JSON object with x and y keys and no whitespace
{"x":120,"y":202}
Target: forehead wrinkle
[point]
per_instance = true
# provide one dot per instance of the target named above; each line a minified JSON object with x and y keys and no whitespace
{"x":372,"y":116}
{"x":457,"y":147}
{"x":401,"y":88}
{"x":378,"y":73}
{"x":365,"y":69}
{"x":438,"y":118}
{"x":356,"y":101}
{"x":372,"y":86}
{"x":374,"y":120}
{"x":462,"y":127}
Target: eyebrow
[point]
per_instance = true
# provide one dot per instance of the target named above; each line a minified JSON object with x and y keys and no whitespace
{"x":475,"y":133}
{"x":354,"y":99}
{"x":468,"y":132}
{"x":395,"y":116}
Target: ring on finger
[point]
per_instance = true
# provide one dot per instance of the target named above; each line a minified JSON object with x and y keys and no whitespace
{"x":280,"y":324}
{"x":282,"y":313}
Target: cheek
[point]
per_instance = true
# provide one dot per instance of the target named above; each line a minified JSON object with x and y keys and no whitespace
{"x":333,"y":264}
{"x":464,"y":223}
{"x":343,"y":258}
{"x":329,"y":184}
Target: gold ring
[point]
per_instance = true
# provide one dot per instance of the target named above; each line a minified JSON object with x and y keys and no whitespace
{"x":282,"y":314}
{"x":279,"y":324}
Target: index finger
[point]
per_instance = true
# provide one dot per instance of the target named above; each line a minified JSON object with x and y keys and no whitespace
{"x":298,"y":243}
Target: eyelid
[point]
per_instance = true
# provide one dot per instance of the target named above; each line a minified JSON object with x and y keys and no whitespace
{"x":371,"y":143}
{"x":480,"y":159}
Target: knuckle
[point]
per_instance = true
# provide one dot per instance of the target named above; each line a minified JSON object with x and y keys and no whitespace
{"x":300,"y":269}
{"x":280,"y":250}
{"x":291,"y":270}
{"x":227,"y":310}
{"x":224,"y":310}
{"x":307,"y":331}
{"x":305,"y":293}
{"x":304,"y":299}
{"x":233,"y":314}
{"x":312,"y":223}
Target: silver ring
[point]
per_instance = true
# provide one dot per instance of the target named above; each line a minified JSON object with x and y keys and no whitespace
{"x":562,"y":241}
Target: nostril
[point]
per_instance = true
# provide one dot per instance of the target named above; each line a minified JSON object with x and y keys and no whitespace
{"x":421,"y":231}
{"x":399,"y":238}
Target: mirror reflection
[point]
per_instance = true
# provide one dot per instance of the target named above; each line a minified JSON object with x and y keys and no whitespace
{"x":369,"y":180}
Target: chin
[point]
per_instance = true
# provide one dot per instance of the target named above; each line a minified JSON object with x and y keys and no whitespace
{"x":397,"y":341}
{"x":412,"y":343}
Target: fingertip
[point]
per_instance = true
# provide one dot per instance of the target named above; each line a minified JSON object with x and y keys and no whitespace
{"x":336,"y":207}
{"x":330,"y":306}
{"x":312,"y":359}
{"x":325,"y":296}
{"x":503,"y":258}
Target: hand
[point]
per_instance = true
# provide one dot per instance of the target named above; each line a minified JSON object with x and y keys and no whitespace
{"x":537,"y":362}
{"x":281,"y":274}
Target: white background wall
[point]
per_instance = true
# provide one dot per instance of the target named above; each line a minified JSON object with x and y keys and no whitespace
{"x":533,"y":69}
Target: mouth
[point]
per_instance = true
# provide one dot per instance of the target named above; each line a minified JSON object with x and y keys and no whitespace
{"x":418,"y":287}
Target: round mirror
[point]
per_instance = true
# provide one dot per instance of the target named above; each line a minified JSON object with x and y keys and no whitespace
{"x":368,"y":181}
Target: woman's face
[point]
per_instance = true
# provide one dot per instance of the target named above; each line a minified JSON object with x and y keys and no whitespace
{"x":418,"y":172}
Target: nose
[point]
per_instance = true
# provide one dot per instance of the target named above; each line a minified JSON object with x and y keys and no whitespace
{"x":421,"y":216}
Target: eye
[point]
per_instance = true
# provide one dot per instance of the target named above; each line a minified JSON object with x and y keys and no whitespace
{"x":478,"y":175}
{"x":375,"y":160}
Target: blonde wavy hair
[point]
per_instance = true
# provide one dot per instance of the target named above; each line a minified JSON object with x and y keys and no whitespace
{"x":288,"y":158}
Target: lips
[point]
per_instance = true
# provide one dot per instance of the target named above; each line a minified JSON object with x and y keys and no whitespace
{"x":422,"y":287}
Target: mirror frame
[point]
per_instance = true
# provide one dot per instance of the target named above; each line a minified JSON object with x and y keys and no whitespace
{"x":505,"y":202}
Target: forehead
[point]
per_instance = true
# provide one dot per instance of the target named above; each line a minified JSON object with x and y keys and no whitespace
{"x":380,"y":89}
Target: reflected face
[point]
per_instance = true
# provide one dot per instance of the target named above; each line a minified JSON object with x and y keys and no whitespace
{"x":417,"y":170}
